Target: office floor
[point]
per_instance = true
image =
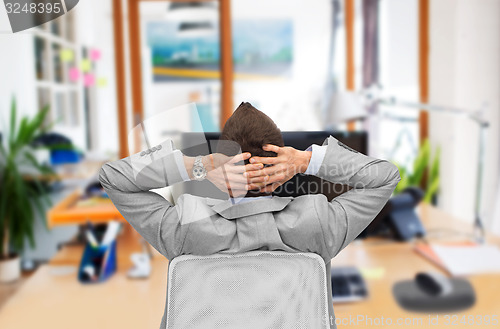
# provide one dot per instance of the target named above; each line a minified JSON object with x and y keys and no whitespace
{"x":9,"y":289}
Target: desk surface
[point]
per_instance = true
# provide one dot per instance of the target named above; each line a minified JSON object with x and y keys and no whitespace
{"x":48,"y":301}
{"x":68,"y":212}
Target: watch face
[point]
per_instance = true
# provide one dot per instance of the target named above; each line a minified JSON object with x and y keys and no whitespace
{"x":199,"y":172}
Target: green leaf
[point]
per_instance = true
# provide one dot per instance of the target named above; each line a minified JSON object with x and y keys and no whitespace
{"x":420,"y":164}
{"x":19,"y":141}
{"x":39,"y":192}
{"x":431,"y":190}
{"x":35,"y":125}
{"x":40,"y":210}
{"x":13,"y":119}
{"x":403,"y":173}
{"x":434,"y":171}
{"x":402,"y":185}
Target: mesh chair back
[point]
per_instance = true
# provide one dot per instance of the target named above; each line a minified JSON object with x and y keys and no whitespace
{"x":259,"y":289}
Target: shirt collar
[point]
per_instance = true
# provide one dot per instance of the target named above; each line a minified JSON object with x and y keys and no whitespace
{"x":254,"y":205}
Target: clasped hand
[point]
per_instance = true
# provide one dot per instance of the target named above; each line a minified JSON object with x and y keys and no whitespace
{"x":262,"y":174}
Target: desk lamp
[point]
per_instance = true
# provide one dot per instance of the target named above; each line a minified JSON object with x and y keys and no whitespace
{"x":475,"y":116}
{"x":344,"y":107}
{"x":347,"y":106}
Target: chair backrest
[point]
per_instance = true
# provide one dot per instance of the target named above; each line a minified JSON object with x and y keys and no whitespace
{"x":258,"y":289}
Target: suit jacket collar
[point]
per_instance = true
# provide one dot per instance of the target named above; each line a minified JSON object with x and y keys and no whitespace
{"x":229,"y":210}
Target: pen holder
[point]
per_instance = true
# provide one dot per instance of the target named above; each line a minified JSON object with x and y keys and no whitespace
{"x":98,"y":263}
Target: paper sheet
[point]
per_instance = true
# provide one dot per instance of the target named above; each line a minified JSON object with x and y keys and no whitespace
{"x":467,"y":260}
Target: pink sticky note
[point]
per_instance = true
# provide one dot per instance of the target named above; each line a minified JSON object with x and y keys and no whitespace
{"x":74,"y":74}
{"x":95,"y":54}
{"x":88,"y":80}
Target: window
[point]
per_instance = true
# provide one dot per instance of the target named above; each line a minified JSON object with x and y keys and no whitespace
{"x":398,"y":128}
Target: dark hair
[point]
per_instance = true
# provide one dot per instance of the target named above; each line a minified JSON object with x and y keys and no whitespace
{"x":251,"y":129}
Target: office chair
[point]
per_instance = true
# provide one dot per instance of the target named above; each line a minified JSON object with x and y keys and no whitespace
{"x":258,"y":289}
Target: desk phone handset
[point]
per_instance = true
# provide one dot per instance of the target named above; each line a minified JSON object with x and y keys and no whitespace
{"x":398,"y":218}
{"x":402,"y":218}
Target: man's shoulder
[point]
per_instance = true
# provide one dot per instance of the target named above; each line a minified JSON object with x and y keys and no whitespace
{"x":309,"y":198}
{"x":305,"y":203}
{"x":196,"y":206}
{"x":192,"y":199}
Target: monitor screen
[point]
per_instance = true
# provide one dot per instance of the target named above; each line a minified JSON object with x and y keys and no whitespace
{"x":299,"y":184}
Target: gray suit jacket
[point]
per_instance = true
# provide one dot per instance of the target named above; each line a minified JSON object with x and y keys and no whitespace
{"x":304,"y":224}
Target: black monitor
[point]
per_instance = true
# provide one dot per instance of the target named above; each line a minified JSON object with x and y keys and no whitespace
{"x":298,"y":185}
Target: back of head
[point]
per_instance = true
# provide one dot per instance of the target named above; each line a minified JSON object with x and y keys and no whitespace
{"x":251,"y":129}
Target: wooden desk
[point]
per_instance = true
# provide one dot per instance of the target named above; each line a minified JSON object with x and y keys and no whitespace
{"x":67,"y":213}
{"x":400,"y":262}
{"x":48,"y":301}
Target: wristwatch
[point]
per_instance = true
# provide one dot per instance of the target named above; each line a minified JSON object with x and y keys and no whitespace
{"x":199,"y":171}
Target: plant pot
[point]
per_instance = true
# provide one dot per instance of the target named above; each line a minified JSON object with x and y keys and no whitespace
{"x":10,"y":269}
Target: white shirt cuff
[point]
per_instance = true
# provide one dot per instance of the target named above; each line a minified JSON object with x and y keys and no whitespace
{"x":179,"y":160}
{"x":317,"y":156}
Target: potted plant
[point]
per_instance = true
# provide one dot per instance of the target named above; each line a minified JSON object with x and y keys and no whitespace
{"x":23,"y":190}
{"x":415,"y":176}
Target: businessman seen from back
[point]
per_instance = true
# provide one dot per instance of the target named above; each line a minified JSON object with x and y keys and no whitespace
{"x":251,"y":218}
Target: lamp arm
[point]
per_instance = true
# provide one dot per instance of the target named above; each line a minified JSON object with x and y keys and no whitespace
{"x":474,"y":115}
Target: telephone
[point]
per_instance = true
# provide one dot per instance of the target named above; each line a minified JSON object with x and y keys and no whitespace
{"x":398,"y":218}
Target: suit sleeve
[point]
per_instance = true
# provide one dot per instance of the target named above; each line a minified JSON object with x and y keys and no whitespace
{"x":128,"y":183}
{"x":372,"y":181}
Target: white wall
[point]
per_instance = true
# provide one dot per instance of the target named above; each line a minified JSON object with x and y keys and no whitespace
{"x":17,"y":71}
{"x":398,"y":47}
{"x":465,"y":72}
{"x":398,"y":77}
